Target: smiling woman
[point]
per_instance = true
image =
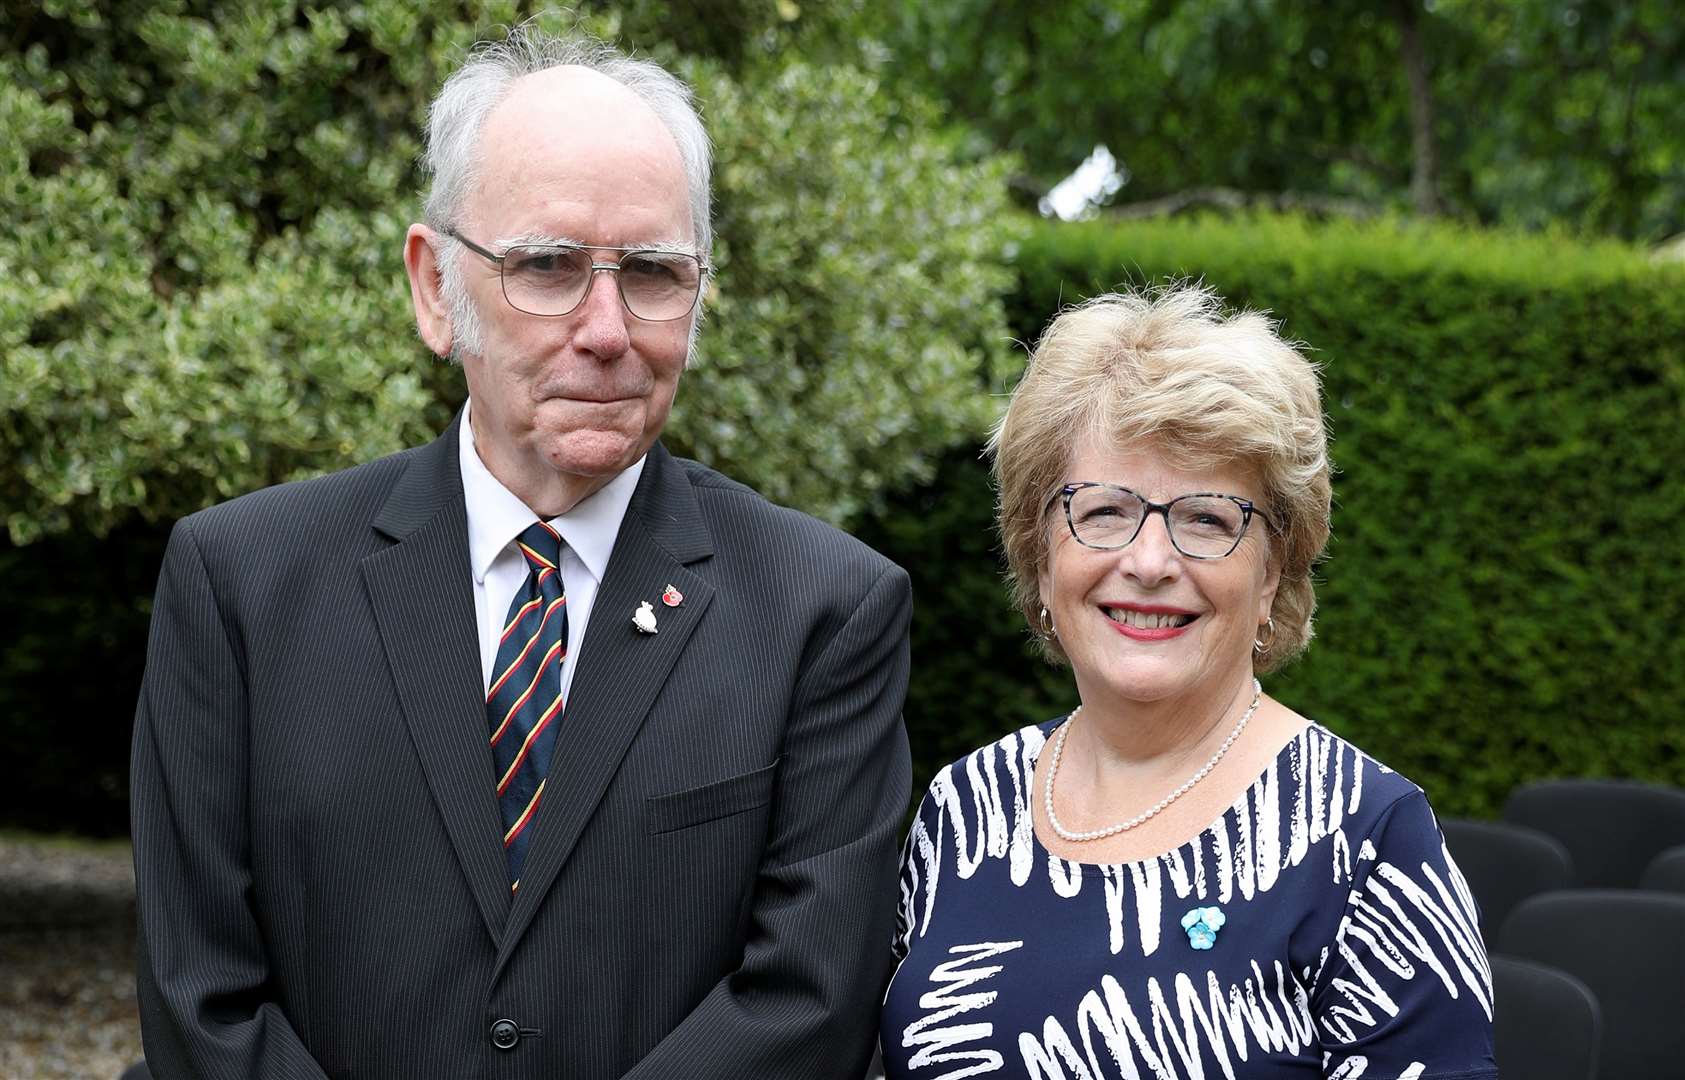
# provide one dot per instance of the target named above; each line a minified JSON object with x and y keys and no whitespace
{"x":1202,"y":815}
{"x":1143,"y":622}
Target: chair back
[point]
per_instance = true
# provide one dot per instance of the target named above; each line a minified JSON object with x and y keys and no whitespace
{"x":1545,"y":1024}
{"x":1628,"y":947}
{"x":1611,"y":828}
{"x":1505,"y":864}
{"x":1666,"y":872}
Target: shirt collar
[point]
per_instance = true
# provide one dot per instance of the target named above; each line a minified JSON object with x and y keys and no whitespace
{"x":496,"y":515}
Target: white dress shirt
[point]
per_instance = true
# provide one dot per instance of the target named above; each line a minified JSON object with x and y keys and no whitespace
{"x":496,"y":516}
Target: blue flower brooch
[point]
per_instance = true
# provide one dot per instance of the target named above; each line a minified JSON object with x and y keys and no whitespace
{"x":1202,"y":924}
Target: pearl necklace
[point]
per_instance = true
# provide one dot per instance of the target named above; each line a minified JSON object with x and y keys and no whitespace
{"x":1123,"y":826}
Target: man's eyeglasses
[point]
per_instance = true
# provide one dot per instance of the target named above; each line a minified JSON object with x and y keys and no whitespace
{"x":1203,"y":525}
{"x":554,"y":279}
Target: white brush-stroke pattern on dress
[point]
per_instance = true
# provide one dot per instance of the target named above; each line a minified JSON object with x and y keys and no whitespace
{"x":1401,"y":923}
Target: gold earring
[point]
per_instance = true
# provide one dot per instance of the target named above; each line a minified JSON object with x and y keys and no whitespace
{"x":1048,"y":630}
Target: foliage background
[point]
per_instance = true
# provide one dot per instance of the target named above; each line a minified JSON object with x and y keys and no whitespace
{"x":1527,"y":112}
{"x":201,"y":207}
{"x":1505,"y":577}
{"x":201,"y":213}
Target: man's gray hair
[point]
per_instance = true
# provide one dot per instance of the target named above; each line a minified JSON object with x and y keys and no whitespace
{"x":458,"y":113}
{"x":467,"y":98}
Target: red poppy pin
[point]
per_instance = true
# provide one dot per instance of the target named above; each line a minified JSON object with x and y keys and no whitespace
{"x":672,"y":597}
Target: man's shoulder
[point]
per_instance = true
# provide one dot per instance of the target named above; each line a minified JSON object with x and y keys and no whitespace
{"x":352,"y":495}
{"x":740,"y":515}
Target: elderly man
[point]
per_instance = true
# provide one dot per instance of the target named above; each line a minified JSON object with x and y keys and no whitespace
{"x":533,"y":752}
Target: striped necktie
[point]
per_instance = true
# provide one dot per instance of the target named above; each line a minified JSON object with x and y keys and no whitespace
{"x":524,"y":704}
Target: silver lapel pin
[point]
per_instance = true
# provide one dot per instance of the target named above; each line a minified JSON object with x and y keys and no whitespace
{"x":644,"y":618}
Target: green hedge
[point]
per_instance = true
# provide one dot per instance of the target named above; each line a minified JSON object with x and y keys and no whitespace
{"x":1504,"y":591}
{"x":1502,"y":594}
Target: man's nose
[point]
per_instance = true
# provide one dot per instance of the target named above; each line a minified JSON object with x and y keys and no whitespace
{"x":602,"y":317}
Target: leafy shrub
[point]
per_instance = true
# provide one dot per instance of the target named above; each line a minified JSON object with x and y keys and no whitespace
{"x":858,"y":325}
{"x":202,"y":209}
{"x":203,"y":215}
{"x":1506,"y":578}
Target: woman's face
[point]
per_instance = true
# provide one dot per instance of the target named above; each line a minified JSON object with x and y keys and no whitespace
{"x":1146,"y":623}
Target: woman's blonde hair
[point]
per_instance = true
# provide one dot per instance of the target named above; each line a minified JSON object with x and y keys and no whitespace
{"x":1167,"y":366}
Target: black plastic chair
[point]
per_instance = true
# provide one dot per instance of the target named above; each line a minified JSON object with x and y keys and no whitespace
{"x":1611,"y":828}
{"x":1666,"y":872}
{"x":1628,"y":947}
{"x":1546,"y":1024}
{"x":1504,"y":865}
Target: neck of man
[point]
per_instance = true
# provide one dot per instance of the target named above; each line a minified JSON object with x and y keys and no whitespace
{"x":553,"y":494}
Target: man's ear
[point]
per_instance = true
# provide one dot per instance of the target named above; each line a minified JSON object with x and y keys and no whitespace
{"x":432,"y":314}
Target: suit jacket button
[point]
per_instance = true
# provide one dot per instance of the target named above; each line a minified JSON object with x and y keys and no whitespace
{"x":505,"y":1034}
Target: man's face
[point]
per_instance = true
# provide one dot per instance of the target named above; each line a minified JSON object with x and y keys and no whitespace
{"x":570,"y":155}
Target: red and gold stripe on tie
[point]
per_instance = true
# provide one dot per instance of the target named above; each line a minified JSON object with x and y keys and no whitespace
{"x":497,"y":684}
{"x":522,"y":613}
{"x":555,"y":654}
{"x":535,"y":558}
{"x":521,"y":755}
{"x":520,"y":826}
{"x":526,"y":816}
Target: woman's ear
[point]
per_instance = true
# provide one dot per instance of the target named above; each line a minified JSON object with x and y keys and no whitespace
{"x":1272,"y":582}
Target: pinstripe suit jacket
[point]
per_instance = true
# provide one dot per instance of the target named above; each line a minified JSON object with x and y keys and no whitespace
{"x":321,"y":885}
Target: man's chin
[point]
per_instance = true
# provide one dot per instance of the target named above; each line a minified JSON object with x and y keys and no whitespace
{"x":593,"y":453}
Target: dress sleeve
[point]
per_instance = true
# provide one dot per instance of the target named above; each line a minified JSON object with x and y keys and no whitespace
{"x":915,"y":864}
{"x":1405,"y":990}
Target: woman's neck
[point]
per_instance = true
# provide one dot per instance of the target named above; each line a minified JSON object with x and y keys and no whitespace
{"x":1143,"y":738}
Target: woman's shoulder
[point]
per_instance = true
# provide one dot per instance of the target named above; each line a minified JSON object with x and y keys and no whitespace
{"x":1007,"y":759}
{"x":1371,"y":789}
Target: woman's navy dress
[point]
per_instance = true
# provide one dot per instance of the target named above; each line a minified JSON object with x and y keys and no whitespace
{"x":1343,"y":942}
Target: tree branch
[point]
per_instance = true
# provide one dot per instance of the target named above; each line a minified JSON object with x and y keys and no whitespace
{"x":1234,"y":200}
{"x":1424,"y":169}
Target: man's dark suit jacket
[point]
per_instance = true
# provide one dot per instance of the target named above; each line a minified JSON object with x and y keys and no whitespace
{"x":321,"y":882}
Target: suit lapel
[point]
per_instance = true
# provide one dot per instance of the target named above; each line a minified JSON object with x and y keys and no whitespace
{"x":620,"y":670}
{"x":421,"y":592}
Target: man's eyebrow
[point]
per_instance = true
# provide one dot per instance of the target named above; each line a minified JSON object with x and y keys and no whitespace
{"x":537,"y":238}
{"x":543,"y":239}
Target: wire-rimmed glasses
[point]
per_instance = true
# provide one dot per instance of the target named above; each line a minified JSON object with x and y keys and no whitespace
{"x":553,"y":279}
{"x":1202,"y":525}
